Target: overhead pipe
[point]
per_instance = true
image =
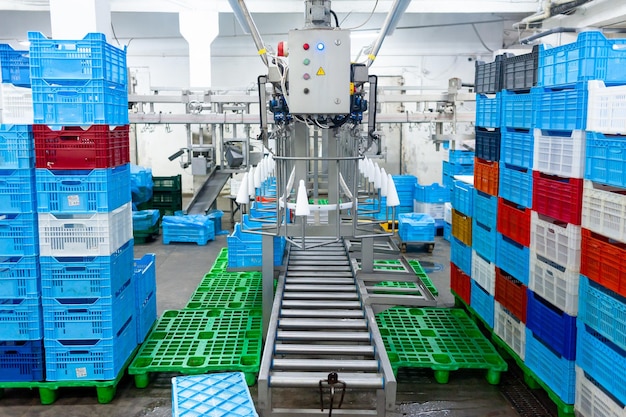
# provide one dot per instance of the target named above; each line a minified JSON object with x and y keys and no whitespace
{"x":552,"y":31}
{"x":391,"y":21}
{"x":247,"y":24}
{"x":538,"y":17}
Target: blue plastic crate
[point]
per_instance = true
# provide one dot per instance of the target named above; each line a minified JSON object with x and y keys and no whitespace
{"x":434,"y":193}
{"x":15,"y":66}
{"x":488,"y":110}
{"x":450,"y":169}
{"x":90,"y":360}
{"x":88,"y":318}
{"x":517,"y":110}
{"x":561,"y":110}
{"x":18,"y":234}
{"x":79,"y":103}
{"x":488,"y":144}
{"x":404,"y":181}
{"x":483,"y":303}
{"x":17,"y":147}
{"x":18,"y":188}
{"x":191,"y":228}
{"x":462,"y":157}
{"x":216,"y":216}
{"x":605,"y":159}
{"x":463,"y":197}
{"x":86,"y":276}
{"x":603,"y":310}
{"x":552,"y":325}
{"x":20,"y":318}
{"x":245,"y":249}
{"x":447,"y":231}
{"x":516,"y":184}
{"x":21,"y":361}
{"x":146,"y":315}
{"x":591,"y":57}
{"x":143,"y":220}
{"x":416,"y":227}
{"x":90,"y":58}
{"x":82,"y":191}
{"x":461,"y":255}
{"x":603,"y":360}
{"x":144,"y":279}
{"x":215,"y":395}
{"x":19,"y":277}
{"x":517,"y":147}
{"x":513,"y":258}
{"x":485,"y":208}
{"x":484,"y":240}
{"x":557,"y":372}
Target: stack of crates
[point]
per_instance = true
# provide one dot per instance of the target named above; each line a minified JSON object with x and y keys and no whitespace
{"x":167,"y":194}
{"x":431,"y":199}
{"x":404,"y":186}
{"x":84,"y":206}
{"x":459,"y":162}
{"x":16,"y":101}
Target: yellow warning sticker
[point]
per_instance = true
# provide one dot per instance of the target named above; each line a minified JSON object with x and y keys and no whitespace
{"x":321,"y":71}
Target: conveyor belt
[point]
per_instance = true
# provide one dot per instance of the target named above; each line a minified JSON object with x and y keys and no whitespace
{"x":320,"y":325}
{"x":206,"y":196}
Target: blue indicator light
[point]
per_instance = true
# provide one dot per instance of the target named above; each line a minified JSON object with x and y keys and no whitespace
{"x":320,"y":46}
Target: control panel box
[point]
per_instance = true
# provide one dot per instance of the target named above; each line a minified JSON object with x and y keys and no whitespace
{"x":319,"y":71}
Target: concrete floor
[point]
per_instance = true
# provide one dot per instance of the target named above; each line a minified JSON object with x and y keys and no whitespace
{"x":179,"y":269}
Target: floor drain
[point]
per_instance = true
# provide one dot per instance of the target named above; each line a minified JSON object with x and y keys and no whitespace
{"x":527,"y":402}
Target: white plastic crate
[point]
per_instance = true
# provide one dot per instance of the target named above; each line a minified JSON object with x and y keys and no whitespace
{"x":16,"y":105}
{"x":560,"y":155}
{"x":484,"y":273}
{"x":447,"y":212}
{"x":555,"y":241}
{"x":510,"y":329}
{"x":99,"y":234}
{"x":436,"y":210}
{"x":591,"y":401}
{"x":606,"y":108}
{"x":558,"y":287}
{"x":604,"y":210}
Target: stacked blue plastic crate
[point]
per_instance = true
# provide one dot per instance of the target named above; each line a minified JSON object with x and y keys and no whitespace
{"x":84,"y":220}
{"x":431,"y":199}
{"x":21,"y":331}
{"x":405,"y":185}
{"x":459,"y":163}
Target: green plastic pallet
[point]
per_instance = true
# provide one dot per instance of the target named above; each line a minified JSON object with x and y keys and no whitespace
{"x":221,"y":262}
{"x":440,"y":339}
{"x":530,"y":378}
{"x":395,"y":265}
{"x":236,"y":297}
{"x":419,"y":271}
{"x":193,"y":342}
{"x":395,"y":284}
{"x":48,"y":391}
{"x":230,"y":280}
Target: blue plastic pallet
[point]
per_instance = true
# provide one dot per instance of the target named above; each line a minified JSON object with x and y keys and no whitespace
{"x":516,"y":184}
{"x":561,"y":110}
{"x":591,"y":57}
{"x":456,"y":156}
{"x":416,"y":227}
{"x":82,"y":191}
{"x":484,"y":240}
{"x":214,"y":395}
{"x":603,"y":360}
{"x":90,"y":58}
{"x":463,"y":197}
{"x":17,"y":147}
{"x":553,"y":326}
{"x":513,"y":258}
{"x":517,"y":147}
{"x":14,"y":66}
{"x":488,"y":144}
{"x":483,"y":303}
{"x":18,"y":190}
{"x":434,"y":193}
{"x":554,"y":370}
{"x":603,"y":310}
{"x":488,"y":110}
{"x":605,"y":159}
{"x":90,"y":360}
{"x":19,"y":277}
{"x":88,"y":318}
{"x":19,"y":235}
{"x":21,"y":361}
{"x":191,"y":228}
{"x":461,"y":255}
{"x":517,"y":110}
{"x":143,"y":220}
{"x":79,"y":103}
{"x":20,"y":319}
{"x":485,"y":209}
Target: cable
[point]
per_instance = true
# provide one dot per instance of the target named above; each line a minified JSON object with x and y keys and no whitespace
{"x":114,"y":35}
{"x":480,"y":38}
{"x":336,"y":19}
{"x":368,"y":18}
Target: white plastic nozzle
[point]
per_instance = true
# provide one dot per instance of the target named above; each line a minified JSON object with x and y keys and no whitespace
{"x":251,"y":190}
{"x":377,"y":179}
{"x":302,"y":201}
{"x":383,"y":182}
{"x":257,"y":176}
{"x":242,"y":194}
{"x":392,"y":194}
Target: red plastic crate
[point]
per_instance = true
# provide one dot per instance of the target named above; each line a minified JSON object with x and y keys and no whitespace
{"x":460,"y":283}
{"x":604,"y":261}
{"x":558,"y":197}
{"x":512,"y":294}
{"x":98,"y":146}
{"x":486,"y":176}
{"x":514,"y":221}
